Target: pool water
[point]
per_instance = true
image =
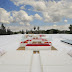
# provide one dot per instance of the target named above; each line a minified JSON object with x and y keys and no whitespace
{"x":67,"y":41}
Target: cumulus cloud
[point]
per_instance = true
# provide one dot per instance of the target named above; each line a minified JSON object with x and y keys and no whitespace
{"x":22,"y":17}
{"x":59,"y":27}
{"x":54,"y":25}
{"x":22,"y":7}
{"x":28,"y":24}
{"x":65,"y":21}
{"x":24,"y":27}
{"x":5,"y":16}
{"x":22,"y":23}
{"x":39,"y":5}
{"x":53,"y":11}
{"x":38,"y":17}
{"x":18,"y":28}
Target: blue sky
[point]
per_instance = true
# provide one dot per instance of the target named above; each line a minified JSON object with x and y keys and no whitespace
{"x":10,"y":6}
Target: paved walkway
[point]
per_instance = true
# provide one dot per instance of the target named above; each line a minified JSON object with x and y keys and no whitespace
{"x":36,"y":66}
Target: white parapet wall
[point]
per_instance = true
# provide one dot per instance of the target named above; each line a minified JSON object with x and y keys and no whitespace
{"x":37,"y":48}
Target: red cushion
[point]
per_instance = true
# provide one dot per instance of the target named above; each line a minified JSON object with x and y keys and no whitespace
{"x":45,"y":42}
{"x":21,"y":42}
{"x":37,"y":45}
{"x":30,"y":40}
{"x":49,"y":42}
{"x":25,"y":41}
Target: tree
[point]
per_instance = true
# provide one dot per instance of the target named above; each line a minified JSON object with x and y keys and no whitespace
{"x":34,"y":28}
{"x":26,"y":31}
{"x":9,"y":32}
{"x":53,"y":31}
{"x":70,"y":27}
{"x":2,"y":27}
{"x":3,"y":30}
{"x":22,"y":32}
{"x":38,"y":28}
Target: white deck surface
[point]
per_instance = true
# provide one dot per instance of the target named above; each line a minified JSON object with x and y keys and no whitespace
{"x":36,"y":63}
{"x":17,"y":57}
{"x":24,"y":61}
{"x":54,"y":58}
{"x":16,"y":61}
{"x":54,"y":61}
{"x":10,"y":42}
{"x":57,"y":68}
{"x":14,"y":68}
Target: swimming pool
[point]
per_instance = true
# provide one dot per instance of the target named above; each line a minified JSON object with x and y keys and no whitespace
{"x":67,"y":41}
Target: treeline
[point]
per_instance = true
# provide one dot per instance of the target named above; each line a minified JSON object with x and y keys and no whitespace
{"x":4,"y":31}
{"x":51,"y":31}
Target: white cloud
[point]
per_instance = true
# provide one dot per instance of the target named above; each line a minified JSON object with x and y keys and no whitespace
{"x":39,"y":5}
{"x":5,"y":16}
{"x":30,"y":27}
{"x":59,"y":27}
{"x":38,"y":17}
{"x":22,"y":17}
{"x":22,"y":7}
{"x":28,"y":24}
{"x":18,"y":28}
{"x":52,"y":11}
{"x":65,"y":21}
{"x":22,"y":23}
{"x":54,"y":25}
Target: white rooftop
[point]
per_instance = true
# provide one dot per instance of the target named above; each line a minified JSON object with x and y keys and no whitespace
{"x":26,"y":61}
